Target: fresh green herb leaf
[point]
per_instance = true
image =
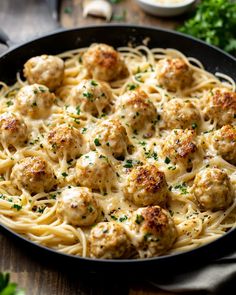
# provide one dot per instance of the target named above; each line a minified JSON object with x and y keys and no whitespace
{"x":182,"y":188}
{"x":9,"y":103}
{"x":167,"y":160}
{"x":94,"y":83}
{"x":214,"y":21}
{"x":139,"y":219}
{"x":97,"y":142}
{"x":64,"y":174}
{"x":17,"y":207}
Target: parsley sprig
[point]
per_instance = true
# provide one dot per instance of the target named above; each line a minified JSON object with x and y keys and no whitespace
{"x":8,"y":288}
{"x":214,"y":21}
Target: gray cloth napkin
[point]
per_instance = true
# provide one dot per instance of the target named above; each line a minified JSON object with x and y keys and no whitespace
{"x":218,"y":277}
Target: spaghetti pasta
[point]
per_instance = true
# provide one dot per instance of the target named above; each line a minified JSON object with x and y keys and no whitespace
{"x":106,"y":133}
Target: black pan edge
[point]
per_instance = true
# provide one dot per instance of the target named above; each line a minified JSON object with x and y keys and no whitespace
{"x":12,"y":61}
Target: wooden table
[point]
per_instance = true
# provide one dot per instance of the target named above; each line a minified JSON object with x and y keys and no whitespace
{"x":23,"y":21}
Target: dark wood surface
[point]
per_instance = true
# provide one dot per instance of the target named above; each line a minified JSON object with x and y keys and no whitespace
{"x":22,"y":20}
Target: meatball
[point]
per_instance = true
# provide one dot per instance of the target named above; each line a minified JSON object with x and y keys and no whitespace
{"x":221,"y":106}
{"x":91,"y":96}
{"x":174,"y":74}
{"x":45,"y":69}
{"x":136,"y":110}
{"x":224,"y":141}
{"x":179,"y":113}
{"x":104,"y":63}
{"x":94,"y":171}
{"x":13,"y":130}
{"x":33,"y":174}
{"x":179,"y":146}
{"x":111,"y":136}
{"x":109,"y":240}
{"x":77,"y":206}
{"x":34,"y":101}
{"x":64,"y":140}
{"x":212,"y":189}
{"x":152,"y":231}
{"x":145,"y":186}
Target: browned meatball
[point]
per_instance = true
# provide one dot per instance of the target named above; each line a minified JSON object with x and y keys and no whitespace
{"x":33,"y":174}
{"x":152,"y":231}
{"x":34,"y":101}
{"x":174,"y":74}
{"x":104,"y":63}
{"x":179,"y":145}
{"x":91,"y":96}
{"x":179,"y":113}
{"x":45,"y":69}
{"x":109,"y":240}
{"x":146,"y":185}
{"x":64,"y":140}
{"x":212,"y":189}
{"x":78,"y":206}
{"x":111,"y":136}
{"x":136,"y":110}
{"x":224,"y":141}
{"x":13,"y":130}
{"x":94,"y":171}
{"x":220,"y":105}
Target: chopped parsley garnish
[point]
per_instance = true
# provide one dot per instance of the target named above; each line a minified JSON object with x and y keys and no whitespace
{"x":128,"y":164}
{"x":89,"y":95}
{"x":194,"y":125}
{"x":9,"y":103}
{"x":167,"y":160}
{"x":97,"y":142}
{"x":76,"y":120}
{"x":182,"y":188}
{"x":17,"y":207}
{"x":143,"y":143}
{"x":132,"y":86}
{"x":42,"y":89}
{"x":84,"y":130}
{"x":78,"y":110}
{"x":146,"y":236}
{"x":53,"y":196}
{"x":139,"y":219}
{"x":123,"y":218}
{"x":64,"y":174}
{"x":94,"y":83}
{"x":172,"y":168}
{"x":114,"y":217}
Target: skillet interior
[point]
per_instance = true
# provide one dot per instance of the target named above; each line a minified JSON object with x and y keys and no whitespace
{"x":213,"y":59}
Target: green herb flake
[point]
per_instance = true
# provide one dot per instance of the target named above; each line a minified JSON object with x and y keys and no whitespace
{"x":94,"y":83}
{"x":17,"y":207}
{"x":167,"y":160}
{"x":97,"y":142}
{"x":182,"y":188}
{"x":139,"y":219}
{"x":123,"y":218}
{"x":9,"y":103}
{"x":64,"y":174}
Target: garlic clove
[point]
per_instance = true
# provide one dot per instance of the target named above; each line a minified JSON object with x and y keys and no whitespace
{"x":100,"y":8}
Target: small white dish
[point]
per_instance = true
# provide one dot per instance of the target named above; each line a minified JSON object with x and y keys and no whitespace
{"x":165,"y":8}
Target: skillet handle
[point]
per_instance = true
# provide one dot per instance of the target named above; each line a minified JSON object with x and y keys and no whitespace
{"x":4,"y":39}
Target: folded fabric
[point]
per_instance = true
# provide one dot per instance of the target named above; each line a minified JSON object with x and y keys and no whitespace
{"x":218,"y":277}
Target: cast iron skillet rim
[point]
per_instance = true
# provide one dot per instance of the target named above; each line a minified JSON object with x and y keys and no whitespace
{"x":127,"y":26}
{"x":164,"y":258}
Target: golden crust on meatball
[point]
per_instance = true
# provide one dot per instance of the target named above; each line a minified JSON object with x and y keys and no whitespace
{"x":179,"y":113}
{"x":65,"y":140}
{"x":33,"y":174}
{"x":93,"y":170}
{"x":220,"y":105}
{"x":213,"y":190}
{"x":179,"y":145}
{"x":104,"y":63}
{"x":91,"y":96}
{"x":78,"y":206}
{"x":152,"y":231}
{"x":174,"y":74}
{"x":111,"y":136}
{"x":47,"y":70}
{"x":146,"y":185}
{"x":108,"y":240}
{"x":34,"y":101}
{"x":13,"y":130}
{"x":136,"y":110}
{"x":224,"y":141}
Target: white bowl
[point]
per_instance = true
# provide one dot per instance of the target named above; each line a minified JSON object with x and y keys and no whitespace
{"x":165,"y":10}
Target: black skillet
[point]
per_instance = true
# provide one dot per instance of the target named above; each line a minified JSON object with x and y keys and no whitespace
{"x":212,"y":58}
